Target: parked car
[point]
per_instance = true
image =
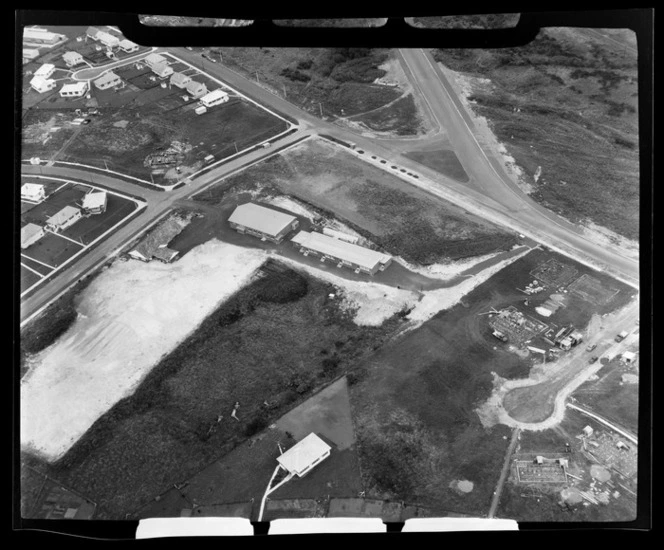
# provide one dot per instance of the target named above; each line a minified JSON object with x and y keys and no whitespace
{"x":591,"y":347}
{"x":592,"y":359}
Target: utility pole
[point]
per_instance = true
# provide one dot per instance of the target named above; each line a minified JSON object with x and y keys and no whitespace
{"x":285,"y":94}
{"x":321,"y":109}
{"x":106,"y":165}
{"x":236,"y":151}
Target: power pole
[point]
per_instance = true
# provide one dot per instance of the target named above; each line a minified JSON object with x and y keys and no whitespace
{"x":236,"y":151}
{"x":321,"y":109}
{"x":285,"y":94}
{"x":257,"y":77}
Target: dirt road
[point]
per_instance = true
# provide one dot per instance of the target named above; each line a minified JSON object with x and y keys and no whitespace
{"x":503,"y":474}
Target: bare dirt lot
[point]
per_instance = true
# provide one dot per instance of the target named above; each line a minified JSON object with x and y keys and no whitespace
{"x":401,"y":220}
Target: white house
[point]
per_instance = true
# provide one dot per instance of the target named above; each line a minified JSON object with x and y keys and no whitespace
{"x":45,"y":71}
{"x":196,"y":89}
{"x":304,"y":455}
{"x":42,"y":85}
{"x":154,"y":59}
{"x":107,"y":39}
{"x":108,"y":80}
{"x":78,"y":89}
{"x":162,"y":70}
{"x":128,"y":46}
{"x":40,"y":36}
{"x":95,"y":202}
{"x":72,"y":58}
{"x":92,"y":32}
{"x":29,"y":54}
{"x":33,"y":192}
{"x":69,"y":215}
{"x":30,"y":234}
{"x":215,"y":97}
{"x":180,"y":80}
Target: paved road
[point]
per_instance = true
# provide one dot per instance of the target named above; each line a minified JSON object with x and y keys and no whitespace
{"x":493,"y":193}
{"x":158,"y":204}
{"x":503,"y":474}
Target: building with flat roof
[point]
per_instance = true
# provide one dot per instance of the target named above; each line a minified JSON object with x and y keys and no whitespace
{"x":77,"y":89}
{"x":42,"y":85}
{"x":38,"y":35}
{"x":33,"y":192}
{"x":180,"y":80}
{"x":629,"y":357}
{"x":261,"y":222}
{"x":128,"y":46}
{"x":108,"y":80}
{"x":30,"y":234}
{"x":300,"y":459}
{"x":343,"y":253}
{"x":196,"y":89}
{"x":95,"y":202}
{"x":45,"y":71}
{"x":66,"y":217}
{"x":215,"y":97}
{"x":72,"y":58}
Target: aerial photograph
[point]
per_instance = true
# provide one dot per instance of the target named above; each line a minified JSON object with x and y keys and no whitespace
{"x":277,"y":282}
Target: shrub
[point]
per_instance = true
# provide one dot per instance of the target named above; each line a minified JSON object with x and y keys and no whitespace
{"x":330,"y":364}
{"x":257,"y":424}
{"x":281,"y":288}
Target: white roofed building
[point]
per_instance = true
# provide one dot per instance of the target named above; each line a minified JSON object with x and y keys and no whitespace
{"x":69,"y":215}
{"x":30,"y":234}
{"x":95,"y":202}
{"x":180,"y":80}
{"x":107,"y":39}
{"x":79,"y":89}
{"x":154,"y":59}
{"x":108,"y":80}
{"x":72,"y":58}
{"x":196,"y":89}
{"x":45,"y":71}
{"x":128,"y":46}
{"x":300,"y":459}
{"x":162,"y":69}
{"x":265,"y":223}
{"x":37,"y":35}
{"x":92,"y":32}
{"x":30,"y":54}
{"x":42,"y":85}
{"x":33,"y":192}
{"x":213,"y":98}
{"x":343,"y":253}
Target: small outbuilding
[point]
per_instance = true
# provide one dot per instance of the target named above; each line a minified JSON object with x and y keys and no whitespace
{"x":300,"y":459}
{"x":63,"y":219}
{"x":629,"y":357}
{"x":33,"y":192}
{"x":30,"y":234}
{"x":264,"y":223}
{"x":72,"y":58}
{"x":588,"y":431}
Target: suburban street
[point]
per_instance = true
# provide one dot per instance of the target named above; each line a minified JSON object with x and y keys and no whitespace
{"x":493,"y":195}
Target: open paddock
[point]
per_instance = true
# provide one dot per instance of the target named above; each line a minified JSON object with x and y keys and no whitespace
{"x":592,"y":290}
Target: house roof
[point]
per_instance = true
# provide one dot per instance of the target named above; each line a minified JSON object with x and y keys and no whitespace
{"x":31,"y":188}
{"x":63,"y":215}
{"x":92,"y":31}
{"x":259,"y":218}
{"x":180,"y":78}
{"x":77,"y":87}
{"x":30,"y":230}
{"x":110,"y":76}
{"x":94,"y":199}
{"x":214,"y":94}
{"x":159,"y":237}
{"x":107,"y":37}
{"x":45,"y":69}
{"x":629,"y":355}
{"x":195,"y":86}
{"x":341,"y":250}
{"x":161,"y":67}
{"x":40,"y":81}
{"x":155,"y":58}
{"x":71,"y":55}
{"x":124,"y":43}
{"x":304,"y":453}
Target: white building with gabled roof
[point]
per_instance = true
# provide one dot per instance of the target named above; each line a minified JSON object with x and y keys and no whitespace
{"x":215,"y":97}
{"x":30,"y":234}
{"x":46,"y":70}
{"x":107,"y":39}
{"x":29,"y":54}
{"x":180,"y":80}
{"x":300,"y":459}
{"x":261,"y":222}
{"x":72,"y":58}
{"x":107,"y":80}
{"x":42,"y":85}
{"x":154,"y":59}
{"x":128,"y":46}
{"x":95,"y":202}
{"x":66,"y":217}
{"x":196,"y":89}
{"x":162,"y":69}
{"x":34,"y":192}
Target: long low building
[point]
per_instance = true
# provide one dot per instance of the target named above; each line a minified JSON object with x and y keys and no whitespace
{"x":265,"y":223}
{"x":343,"y":253}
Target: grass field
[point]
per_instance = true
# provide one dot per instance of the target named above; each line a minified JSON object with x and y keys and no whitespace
{"x":268,"y":342}
{"x":576,"y":97}
{"x":400,"y":117}
{"x":400,"y":219}
{"x":444,"y":161}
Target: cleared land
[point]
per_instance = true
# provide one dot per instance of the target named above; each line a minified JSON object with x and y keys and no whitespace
{"x":275,"y":340}
{"x":401,"y":220}
{"x":565,"y":103}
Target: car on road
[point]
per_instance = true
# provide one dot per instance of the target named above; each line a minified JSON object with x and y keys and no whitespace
{"x":592,"y":359}
{"x":591,"y":347}
{"x":206,"y":56}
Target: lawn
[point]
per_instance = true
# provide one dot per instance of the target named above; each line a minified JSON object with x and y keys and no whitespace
{"x":276,"y":340}
{"x":577,"y":120}
{"x":87,"y":229}
{"x":52,"y":250}
{"x":400,"y":219}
